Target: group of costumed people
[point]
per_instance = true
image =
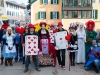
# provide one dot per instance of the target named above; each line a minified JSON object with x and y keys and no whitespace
{"x":83,"y":45}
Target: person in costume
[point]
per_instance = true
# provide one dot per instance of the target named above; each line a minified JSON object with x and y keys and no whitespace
{"x":9,"y":49}
{"x":93,"y":59}
{"x":44,"y":34}
{"x":2,"y":32}
{"x":24,"y":34}
{"x":90,"y":34}
{"x":31,"y":32}
{"x":98,"y":37}
{"x":19,"y":56}
{"x":18,"y":43}
{"x":81,"y":43}
{"x":45,"y":54}
{"x":73,"y":43}
{"x":61,"y":58}
{"x":52,"y":43}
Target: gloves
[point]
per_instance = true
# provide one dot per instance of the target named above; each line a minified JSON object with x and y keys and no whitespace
{"x":68,"y":37}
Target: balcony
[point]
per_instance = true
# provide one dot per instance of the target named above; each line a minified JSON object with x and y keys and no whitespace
{"x":77,"y":3}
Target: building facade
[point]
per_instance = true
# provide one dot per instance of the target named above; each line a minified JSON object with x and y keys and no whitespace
{"x":67,"y":11}
{"x":2,"y":10}
{"x":15,"y":12}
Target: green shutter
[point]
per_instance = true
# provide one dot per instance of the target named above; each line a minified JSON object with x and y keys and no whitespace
{"x":82,"y":14}
{"x":38,"y":15}
{"x":45,"y":14}
{"x":62,"y":13}
{"x":2,"y":3}
{"x":57,"y":15}
{"x":91,"y":14}
{"x":73,"y":3}
{"x":51,"y":1}
{"x":42,"y":2}
{"x":62,"y":3}
{"x":72,"y":13}
{"x":57,"y":2}
{"x":96,"y":14}
{"x":82,"y":2}
{"x":50,"y":15}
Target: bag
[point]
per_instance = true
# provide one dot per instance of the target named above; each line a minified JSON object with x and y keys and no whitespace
{"x":45,"y":59}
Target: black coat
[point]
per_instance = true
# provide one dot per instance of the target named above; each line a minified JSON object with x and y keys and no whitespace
{"x":47,"y":34}
{"x":72,"y":41}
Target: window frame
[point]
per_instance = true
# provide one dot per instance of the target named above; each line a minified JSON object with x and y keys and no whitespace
{"x":43,"y":15}
{"x":56,"y":15}
{"x":45,"y":3}
{"x":55,"y":3}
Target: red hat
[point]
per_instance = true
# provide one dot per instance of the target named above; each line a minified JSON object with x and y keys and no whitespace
{"x":51,"y":25}
{"x":43,"y":23}
{"x":90,"y":22}
{"x":31,"y":26}
{"x":60,"y":24}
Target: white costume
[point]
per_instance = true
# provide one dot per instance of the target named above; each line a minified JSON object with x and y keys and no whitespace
{"x":81,"y":44}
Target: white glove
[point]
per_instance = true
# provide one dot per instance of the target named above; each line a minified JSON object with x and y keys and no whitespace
{"x":56,"y":48}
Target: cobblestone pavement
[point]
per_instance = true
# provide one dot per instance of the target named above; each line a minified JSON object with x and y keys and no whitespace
{"x":18,"y":67}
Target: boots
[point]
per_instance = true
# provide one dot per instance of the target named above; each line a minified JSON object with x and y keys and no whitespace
{"x":6,"y":61}
{"x":1,"y":62}
{"x":11,"y":61}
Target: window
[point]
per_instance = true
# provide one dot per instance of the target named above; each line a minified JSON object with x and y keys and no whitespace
{"x":95,"y":14}
{"x":42,"y":15}
{"x":99,"y":1}
{"x":93,"y":1}
{"x":54,"y":15}
{"x":2,"y":3}
{"x":44,"y":1}
{"x":67,"y":14}
{"x":87,"y":3}
{"x":10,"y":13}
{"x":54,"y":1}
{"x":7,"y":5}
{"x":7,"y":12}
{"x":67,"y":3}
{"x":87,"y":14}
{"x":77,"y":14}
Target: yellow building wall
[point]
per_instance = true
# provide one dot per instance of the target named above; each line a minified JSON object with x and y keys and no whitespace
{"x":96,"y":5}
{"x":38,"y":6}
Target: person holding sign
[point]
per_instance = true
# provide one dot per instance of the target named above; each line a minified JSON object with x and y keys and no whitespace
{"x":29,"y":45}
{"x":61,"y":44}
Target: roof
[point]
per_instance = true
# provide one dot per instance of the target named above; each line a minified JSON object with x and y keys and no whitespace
{"x":17,"y":4}
{"x":31,"y":3}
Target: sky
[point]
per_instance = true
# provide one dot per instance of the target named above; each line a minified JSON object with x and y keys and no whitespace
{"x":21,"y":1}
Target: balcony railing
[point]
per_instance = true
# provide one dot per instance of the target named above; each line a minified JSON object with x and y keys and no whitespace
{"x":76,"y":3}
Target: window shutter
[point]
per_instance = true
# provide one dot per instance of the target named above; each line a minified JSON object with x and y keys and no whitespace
{"x":72,"y":13}
{"x":96,"y":14}
{"x":62,"y":3}
{"x":91,"y":14}
{"x":57,"y":2}
{"x":57,"y":15}
{"x":38,"y":15}
{"x":51,"y":1}
{"x":82,"y":14}
{"x":62,"y":13}
{"x":45,"y":15}
{"x":50,"y":15}
{"x":42,"y":2}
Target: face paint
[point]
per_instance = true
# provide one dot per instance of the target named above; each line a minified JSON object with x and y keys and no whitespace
{"x":43,"y":26}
